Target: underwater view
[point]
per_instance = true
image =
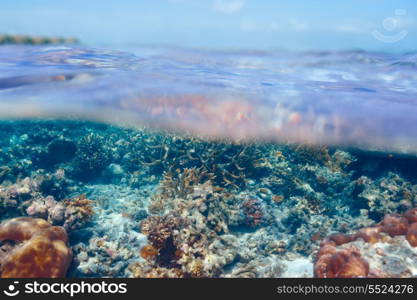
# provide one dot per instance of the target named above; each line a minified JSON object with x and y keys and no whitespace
{"x":207,"y":139}
{"x":180,"y":163}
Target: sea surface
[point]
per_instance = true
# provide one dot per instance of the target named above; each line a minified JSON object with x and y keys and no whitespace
{"x":170,"y":162}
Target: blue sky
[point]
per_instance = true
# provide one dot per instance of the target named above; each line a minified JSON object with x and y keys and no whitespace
{"x":254,"y":24}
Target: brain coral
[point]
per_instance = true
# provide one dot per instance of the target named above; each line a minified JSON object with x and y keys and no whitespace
{"x":38,"y":249}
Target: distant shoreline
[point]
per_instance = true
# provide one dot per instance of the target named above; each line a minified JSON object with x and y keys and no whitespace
{"x":12,"y":39}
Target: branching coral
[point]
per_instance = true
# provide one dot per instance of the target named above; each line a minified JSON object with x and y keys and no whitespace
{"x":91,"y":158}
{"x":35,"y":248}
{"x":180,"y":183}
{"x":313,"y":154}
{"x":232,"y":164}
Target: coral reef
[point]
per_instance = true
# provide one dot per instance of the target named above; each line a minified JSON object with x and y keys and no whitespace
{"x":253,"y":214}
{"x":78,"y":212}
{"x":388,"y":194}
{"x":110,"y":242}
{"x":33,"y":248}
{"x":192,"y":237}
{"x":138,"y":203}
{"x":19,"y":195}
{"x":72,"y":213}
{"x":91,"y":158}
{"x":348,"y":261}
{"x":232,"y":164}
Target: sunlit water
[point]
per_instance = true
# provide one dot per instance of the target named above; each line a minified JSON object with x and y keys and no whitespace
{"x":361,"y":99}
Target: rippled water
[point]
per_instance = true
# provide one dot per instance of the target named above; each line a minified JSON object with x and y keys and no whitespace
{"x":361,"y":99}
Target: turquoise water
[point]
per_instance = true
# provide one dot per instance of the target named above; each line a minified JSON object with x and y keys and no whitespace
{"x":198,"y":163}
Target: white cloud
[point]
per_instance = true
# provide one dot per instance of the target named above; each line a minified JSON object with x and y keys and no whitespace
{"x":228,"y":6}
